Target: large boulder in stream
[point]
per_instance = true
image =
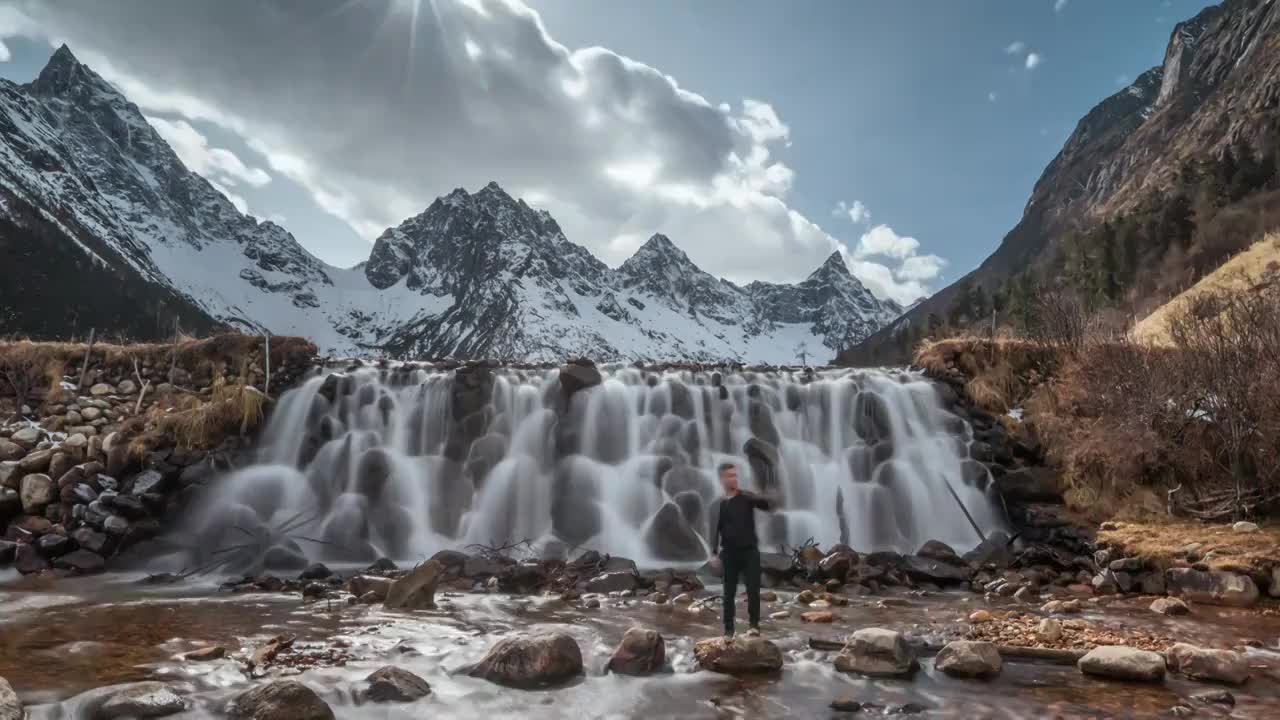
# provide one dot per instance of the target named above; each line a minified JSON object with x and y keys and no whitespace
{"x":1199,"y":663}
{"x":577,"y":375}
{"x":1212,"y":587}
{"x":968,"y":658}
{"x":641,"y":652}
{"x":671,"y":538}
{"x":393,"y":684}
{"x":280,"y":700}
{"x":1121,"y":662}
{"x":530,"y":661}
{"x":10,"y":706}
{"x":417,"y":590}
{"x":738,"y":656}
{"x":876,"y":652}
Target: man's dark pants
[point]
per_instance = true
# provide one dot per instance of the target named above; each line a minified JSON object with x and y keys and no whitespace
{"x":744,"y":563}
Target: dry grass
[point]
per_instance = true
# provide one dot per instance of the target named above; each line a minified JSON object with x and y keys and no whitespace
{"x":1001,"y":373}
{"x":1259,"y":264}
{"x":1164,"y":541}
{"x":191,"y":422}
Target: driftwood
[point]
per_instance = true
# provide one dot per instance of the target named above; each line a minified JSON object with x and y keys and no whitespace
{"x":1052,"y":656}
{"x":84,"y":366}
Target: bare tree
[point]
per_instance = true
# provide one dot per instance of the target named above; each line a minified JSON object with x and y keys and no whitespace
{"x":802,"y":352}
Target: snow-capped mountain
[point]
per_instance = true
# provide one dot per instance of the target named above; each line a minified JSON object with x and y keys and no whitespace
{"x":86,"y":181}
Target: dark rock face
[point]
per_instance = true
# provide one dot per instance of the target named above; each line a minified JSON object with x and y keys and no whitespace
{"x":280,"y":700}
{"x":641,"y":652}
{"x":671,"y":537}
{"x":530,"y":661}
{"x":393,"y":684}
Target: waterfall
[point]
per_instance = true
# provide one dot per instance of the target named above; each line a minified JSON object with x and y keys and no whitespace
{"x":402,"y":462}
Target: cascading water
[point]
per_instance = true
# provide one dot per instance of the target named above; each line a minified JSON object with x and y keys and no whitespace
{"x":402,"y":462}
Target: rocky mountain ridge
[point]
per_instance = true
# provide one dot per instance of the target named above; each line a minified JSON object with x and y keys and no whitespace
{"x":1219,"y":83}
{"x":474,"y":275}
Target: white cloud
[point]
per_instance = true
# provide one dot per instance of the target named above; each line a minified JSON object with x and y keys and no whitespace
{"x":1015,"y":48}
{"x":921,"y":267}
{"x":856,"y":212}
{"x":890,"y":263}
{"x":1059,"y":5}
{"x":991,"y":96}
{"x":215,"y":164}
{"x":882,"y":240}
{"x":1033,"y":60}
{"x":614,"y":149}
{"x":5,"y":55}
{"x":235,"y":199}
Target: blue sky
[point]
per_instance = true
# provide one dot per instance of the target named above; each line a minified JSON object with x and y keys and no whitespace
{"x":936,"y":118}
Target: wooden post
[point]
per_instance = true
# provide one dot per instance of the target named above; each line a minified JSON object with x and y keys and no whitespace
{"x":173,"y":352}
{"x":84,"y":366}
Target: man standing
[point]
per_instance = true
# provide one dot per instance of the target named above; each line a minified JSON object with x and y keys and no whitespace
{"x":733,"y":547}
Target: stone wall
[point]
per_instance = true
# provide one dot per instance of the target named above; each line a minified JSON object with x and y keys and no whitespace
{"x":89,"y":468}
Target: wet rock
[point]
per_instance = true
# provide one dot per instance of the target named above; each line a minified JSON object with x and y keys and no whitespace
{"x":27,"y":437}
{"x":942,"y":573}
{"x":7,"y":551}
{"x":979,"y":617}
{"x":940,"y":551}
{"x":1169,"y":606}
{"x":480,"y":566}
{"x":612,"y":582}
{"x":641,"y":652}
{"x":1200,"y":663}
{"x":530,"y":661}
{"x":148,"y":481}
{"x":315,"y":571}
{"x":1212,"y":587}
{"x":135,"y":701}
{"x":280,"y":700}
{"x":11,"y":450}
{"x":1049,"y":631}
{"x":53,"y":544}
{"x":838,"y":564}
{"x":965,"y":658}
{"x":738,"y":656}
{"x":36,"y":461}
{"x":818,"y":616}
{"x":671,"y":537}
{"x":28,"y":561}
{"x":1215,"y":697}
{"x":876,"y":652}
{"x":362,"y":585}
{"x":213,"y":652}
{"x":847,"y":705}
{"x":1029,"y":484}
{"x":1121,"y":662}
{"x":393,"y":684}
{"x":10,"y":706}
{"x":37,"y":491}
{"x":382,"y":565}
{"x":415,"y":591}
{"x":1244,"y":526}
{"x":1129,"y":564}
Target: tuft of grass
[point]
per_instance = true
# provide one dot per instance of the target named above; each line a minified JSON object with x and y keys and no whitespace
{"x":1162,"y":542}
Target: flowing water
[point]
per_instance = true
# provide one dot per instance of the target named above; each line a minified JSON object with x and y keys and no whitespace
{"x":402,"y":462}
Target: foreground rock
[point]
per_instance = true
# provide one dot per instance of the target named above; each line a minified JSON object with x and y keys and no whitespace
{"x":393,"y":684}
{"x":280,"y":700}
{"x":738,"y":656}
{"x":968,"y":658}
{"x":10,"y":707}
{"x":141,"y":700}
{"x":530,"y":661}
{"x":1122,"y":663}
{"x":641,"y":652}
{"x":1169,"y":606}
{"x":1212,"y":587}
{"x":876,"y":652}
{"x":1200,"y":663}
{"x":417,"y":590}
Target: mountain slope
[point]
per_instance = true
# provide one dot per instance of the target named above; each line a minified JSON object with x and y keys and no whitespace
{"x":84,"y":178}
{"x":1219,"y":84}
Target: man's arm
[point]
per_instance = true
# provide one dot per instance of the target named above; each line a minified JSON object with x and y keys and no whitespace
{"x":761,"y":502}
{"x":715,"y":530}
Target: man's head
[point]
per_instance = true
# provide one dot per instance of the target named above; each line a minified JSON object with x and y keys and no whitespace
{"x":728,"y":477}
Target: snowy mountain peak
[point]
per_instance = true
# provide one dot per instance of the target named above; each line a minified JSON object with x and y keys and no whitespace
{"x":834,"y":264}
{"x":475,"y":274}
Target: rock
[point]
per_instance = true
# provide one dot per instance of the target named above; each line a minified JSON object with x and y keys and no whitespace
{"x":1049,"y":631}
{"x":818,"y":616}
{"x":1274,"y":590}
{"x":1245,"y":527}
{"x":138,"y":700}
{"x":530,"y":661}
{"x":876,"y":652}
{"x":942,"y":573}
{"x":1129,"y":564}
{"x":577,"y":376}
{"x":83,"y":562}
{"x":848,"y":705}
{"x":1023,"y":594}
{"x":671,"y":537}
{"x":127,"y":387}
{"x":11,"y":450}
{"x":115,"y":526}
{"x":147,"y":481}
{"x":1200,"y":663}
{"x":1214,"y":697}
{"x":28,"y":561}
{"x":36,"y":461}
{"x":27,"y":437}
{"x":417,"y":590}
{"x":612,"y":582}
{"x":213,"y":652}
{"x":1169,"y":606}
{"x":1122,"y":663}
{"x":315,"y":571}
{"x":978,"y":617}
{"x":641,"y":652}
{"x":10,"y":475}
{"x":10,"y":706}
{"x":966,"y":658}
{"x":738,"y":656}
{"x":936,"y":550}
{"x":362,"y":585}
{"x":101,"y":389}
{"x":1212,"y":587}
{"x":53,"y":544}
{"x":393,"y":684}
{"x":780,"y":615}
{"x":993,"y":550}
{"x":280,"y":700}
{"x":683,"y":599}
{"x":837,"y":565}
{"x":37,"y":491}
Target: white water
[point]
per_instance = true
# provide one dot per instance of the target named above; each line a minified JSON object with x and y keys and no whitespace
{"x":382,"y":463}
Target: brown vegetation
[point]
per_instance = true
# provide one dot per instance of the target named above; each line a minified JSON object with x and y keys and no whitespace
{"x":999,"y":374}
{"x":1223,"y":548}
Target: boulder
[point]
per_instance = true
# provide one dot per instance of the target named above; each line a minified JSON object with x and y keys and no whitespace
{"x":135,"y":701}
{"x":280,"y":700}
{"x":36,"y":461}
{"x":1244,"y":526}
{"x":738,"y":656}
{"x":876,"y":652}
{"x":671,"y":537}
{"x":940,"y":551}
{"x":967,"y":658}
{"x":27,"y":437}
{"x":101,"y":389}
{"x":393,"y":684}
{"x":1049,"y":631}
{"x":1121,"y":662}
{"x":1212,"y":587}
{"x":36,"y":492}
{"x":818,"y":616}
{"x":10,"y":706}
{"x":641,"y":652}
{"x":1029,"y":484}
{"x":11,"y":450}
{"x":82,"y":562}
{"x":578,"y":375}
{"x":213,"y":652}
{"x":417,"y":590}
{"x":530,"y":661}
{"x":148,"y":481}
{"x":362,"y":585}
{"x":28,"y":561}
{"x":612,"y":582}
{"x":1169,"y":606}
{"x":929,"y":570}
{"x":1200,"y":663}
{"x":838,"y":564}
{"x":10,"y":475}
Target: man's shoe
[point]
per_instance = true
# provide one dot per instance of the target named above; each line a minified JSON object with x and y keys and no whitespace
{"x":728,"y":637}
{"x":753,"y":632}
